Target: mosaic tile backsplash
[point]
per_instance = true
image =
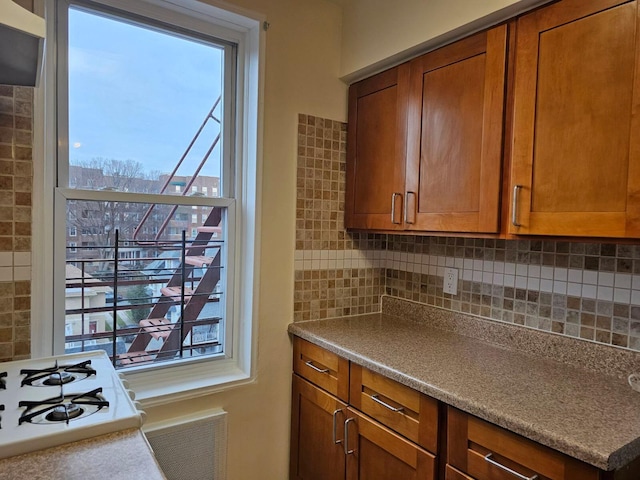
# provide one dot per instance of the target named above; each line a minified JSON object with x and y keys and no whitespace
{"x":332,"y":278}
{"x":583,"y":290}
{"x":16,"y":180}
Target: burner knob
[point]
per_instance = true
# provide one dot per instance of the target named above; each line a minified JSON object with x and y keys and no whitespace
{"x":143,"y":414}
{"x":124,"y":380}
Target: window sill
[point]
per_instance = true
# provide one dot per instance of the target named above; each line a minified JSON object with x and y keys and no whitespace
{"x":169,"y":384}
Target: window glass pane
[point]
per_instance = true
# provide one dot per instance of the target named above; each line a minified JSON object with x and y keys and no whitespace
{"x":142,"y":102}
{"x":156,"y":293}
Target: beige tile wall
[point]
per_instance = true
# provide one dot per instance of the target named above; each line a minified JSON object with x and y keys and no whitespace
{"x":16,"y":179}
{"x":583,"y":290}
{"x":331,"y":279}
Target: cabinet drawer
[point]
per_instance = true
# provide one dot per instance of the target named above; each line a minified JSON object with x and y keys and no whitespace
{"x":487,"y":452}
{"x":407,"y":411}
{"x":321,"y":367}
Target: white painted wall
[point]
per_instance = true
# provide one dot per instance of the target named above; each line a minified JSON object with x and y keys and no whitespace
{"x":378,"y":33}
{"x":301,"y":76}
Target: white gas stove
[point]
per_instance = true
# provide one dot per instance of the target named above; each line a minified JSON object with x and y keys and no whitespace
{"x":50,"y":401}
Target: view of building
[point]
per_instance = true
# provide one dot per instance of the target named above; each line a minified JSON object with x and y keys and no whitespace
{"x":91,"y":225}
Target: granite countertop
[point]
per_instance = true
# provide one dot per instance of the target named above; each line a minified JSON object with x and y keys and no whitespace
{"x":120,"y":455}
{"x":581,"y":405}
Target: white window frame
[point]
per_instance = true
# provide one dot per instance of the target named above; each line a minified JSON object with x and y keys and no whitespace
{"x":164,"y":383}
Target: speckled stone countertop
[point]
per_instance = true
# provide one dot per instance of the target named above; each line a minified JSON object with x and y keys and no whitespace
{"x":122,"y":455}
{"x":570,"y":395}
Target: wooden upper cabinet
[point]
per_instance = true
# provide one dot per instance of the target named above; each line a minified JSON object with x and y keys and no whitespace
{"x":376,"y":150}
{"x":455,"y":135}
{"x":576,"y":140}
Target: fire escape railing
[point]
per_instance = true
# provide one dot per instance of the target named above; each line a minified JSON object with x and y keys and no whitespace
{"x":209,"y":117}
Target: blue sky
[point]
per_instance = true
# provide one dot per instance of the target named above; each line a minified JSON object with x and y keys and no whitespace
{"x":138,"y":94}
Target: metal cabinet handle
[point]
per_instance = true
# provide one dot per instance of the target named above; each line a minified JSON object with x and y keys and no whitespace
{"x":385,"y":404}
{"x":319,"y":370}
{"x":488,"y":458}
{"x":335,"y":426}
{"x":346,"y":436}
{"x":514,"y":206}
{"x":406,"y":209}
{"x":393,"y":207}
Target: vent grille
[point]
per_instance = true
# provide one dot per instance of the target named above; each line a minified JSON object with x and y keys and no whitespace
{"x":191,"y":448}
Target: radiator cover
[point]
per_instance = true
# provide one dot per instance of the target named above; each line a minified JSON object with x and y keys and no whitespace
{"x":191,"y":448}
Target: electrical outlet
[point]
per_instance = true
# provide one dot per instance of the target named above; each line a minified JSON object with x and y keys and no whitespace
{"x":450,"y":281}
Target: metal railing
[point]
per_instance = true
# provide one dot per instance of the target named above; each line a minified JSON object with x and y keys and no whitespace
{"x":165,"y":223}
{"x":104,"y":294}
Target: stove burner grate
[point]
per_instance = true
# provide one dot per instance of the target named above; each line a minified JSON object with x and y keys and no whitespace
{"x":3,"y":382}
{"x":62,"y":408}
{"x":64,"y":412}
{"x":57,"y":375}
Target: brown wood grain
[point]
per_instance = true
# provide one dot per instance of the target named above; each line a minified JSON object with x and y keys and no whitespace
{"x":574,"y":151}
{"x":452,"y":473}
{"x":419,"y":419}
{"x":471,"y":439}
{"x":376,"y":150}
{"x":454,"y":154}
{"x":381,"y":454}
{"x":335,"y":381}
{"x":314,"y":455}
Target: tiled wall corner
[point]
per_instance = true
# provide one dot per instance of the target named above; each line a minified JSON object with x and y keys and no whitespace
{"x":582,"y":290}
{"x":336,"y":273}
{"x":16,"y":180}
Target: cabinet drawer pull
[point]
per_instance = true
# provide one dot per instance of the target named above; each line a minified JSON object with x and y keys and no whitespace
{"x":375,"y":398}
{"x":346,"y":436}
{"x":335,"y":426}
{"x":407,"y":208}
{"x":319,"y":370}
{"x":488,"y":458}
{"x":393,"y":207}
{"x":514,"y":206}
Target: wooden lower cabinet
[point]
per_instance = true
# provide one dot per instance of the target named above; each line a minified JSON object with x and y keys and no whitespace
{"x":484,"y":451}
{"x":373,"y":452}
{"x":350,"y":423}
{"x":315,"y":455}
{"x":376,"y":453}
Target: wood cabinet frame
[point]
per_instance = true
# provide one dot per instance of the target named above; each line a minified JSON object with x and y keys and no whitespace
{"x":382,"y":177}
{"x":507,"y":198}
{"x":462,"y":440}
{"x":603,"y":221}
{"x":481,"y":167}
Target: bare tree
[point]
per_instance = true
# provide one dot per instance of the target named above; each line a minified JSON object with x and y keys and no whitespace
{"x":96,"y":221}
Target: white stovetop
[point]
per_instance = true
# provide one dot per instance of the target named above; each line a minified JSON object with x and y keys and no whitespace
{"x":16,"y":438}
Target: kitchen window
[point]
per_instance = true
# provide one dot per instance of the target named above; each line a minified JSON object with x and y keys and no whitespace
{"x":152,"y":104}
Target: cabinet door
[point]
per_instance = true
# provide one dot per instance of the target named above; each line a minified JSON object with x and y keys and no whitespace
{"x":376,"y":453}
{"x":376,"y":148}
{"x":455,"y":133}
{"x":315,"y":453}
{"x":576,"y":146}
